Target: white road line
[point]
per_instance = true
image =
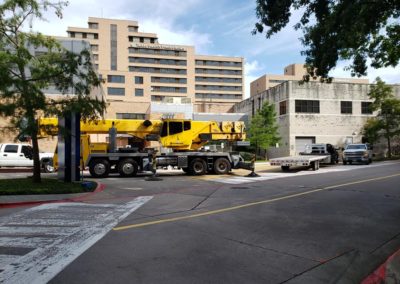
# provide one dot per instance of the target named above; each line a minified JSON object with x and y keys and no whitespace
{"x":25,"y":242}
{"x":6,"y":259}
{"x":43,"y":263}
{"x":31,"y":231}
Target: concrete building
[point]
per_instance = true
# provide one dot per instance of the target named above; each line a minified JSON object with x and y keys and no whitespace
{"x":146,"y":79}
{"x":293,"y":72}
{"x":314,"y":112}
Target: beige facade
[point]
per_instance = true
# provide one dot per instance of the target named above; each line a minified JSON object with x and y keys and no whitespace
{"x":315,"y":112}
{"x":146,"y":79}
{"x":293,"y":72}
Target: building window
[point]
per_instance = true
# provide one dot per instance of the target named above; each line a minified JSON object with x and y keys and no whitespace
{"x":307,"y":106}
{"x":93,"y":26}
{"x":133,"y":29}
{"x":138,"y":80}
{"x":139,"y":93}
{"x":95,"y":57}
{"x":366,"y":108}
{"x":72,"y":34}
{"x":116,"y":79}
{"x":346,"y":107}
{"x":94,"y":47}
{"x":114,"y":46}
{"x":283,"y":108}
{"x":115,"y":91}
{"x":95,"y":36}
{"x":131,"y":116}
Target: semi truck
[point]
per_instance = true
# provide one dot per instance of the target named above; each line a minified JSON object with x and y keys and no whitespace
{"x":312,"y":157}
{"x":184,"y":138}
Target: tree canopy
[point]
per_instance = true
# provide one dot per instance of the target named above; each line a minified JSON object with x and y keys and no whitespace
{"x":387,"y":122}
{"x":263,"y":128}
{"x":362,"y":32}
{"x":32,"y":63}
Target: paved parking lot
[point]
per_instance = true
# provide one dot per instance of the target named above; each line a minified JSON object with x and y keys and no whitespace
{"x":334,"y":225}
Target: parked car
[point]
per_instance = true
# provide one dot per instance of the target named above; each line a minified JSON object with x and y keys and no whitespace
{"x":20,"y":155}
{"x":361,"y":153}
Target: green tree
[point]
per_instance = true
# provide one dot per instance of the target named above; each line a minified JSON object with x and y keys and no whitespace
{"x":25,"y":74}
{"x":263,"y":130}
{"x":338,"y":30}
{"x":387,"y":122}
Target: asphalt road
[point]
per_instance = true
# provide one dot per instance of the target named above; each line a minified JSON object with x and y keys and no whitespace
{"x":327,"y":227}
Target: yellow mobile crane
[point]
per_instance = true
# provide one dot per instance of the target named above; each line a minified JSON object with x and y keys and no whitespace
{"x":184,"y":137}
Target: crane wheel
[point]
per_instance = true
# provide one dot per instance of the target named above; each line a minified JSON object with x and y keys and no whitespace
{"x":222,"y":166}
{"x":99,"y":168}
{"x":198,"y":167}
{"x":127,"y":168}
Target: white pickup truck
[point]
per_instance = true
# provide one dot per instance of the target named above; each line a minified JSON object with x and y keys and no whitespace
{"x":20,"y":155}
{"x":361,"y":153}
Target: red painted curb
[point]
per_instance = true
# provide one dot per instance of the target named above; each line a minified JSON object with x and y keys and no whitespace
{"x":100,"y":187}
{"x":381,"y":274}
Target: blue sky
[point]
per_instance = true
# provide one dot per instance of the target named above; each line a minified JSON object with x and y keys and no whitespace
{"x":215,"y":27}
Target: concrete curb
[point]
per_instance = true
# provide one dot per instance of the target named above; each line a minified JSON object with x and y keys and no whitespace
{"x":100,"y":187}
{"x":388,"y":272}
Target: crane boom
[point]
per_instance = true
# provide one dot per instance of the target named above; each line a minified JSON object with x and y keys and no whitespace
{"x":177,"y":134}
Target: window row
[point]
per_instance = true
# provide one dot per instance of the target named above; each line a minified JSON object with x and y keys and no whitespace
{"x":168,"y":80}
{"x":112,"y":91}
{"x":131,"y":115}
{"x":157,"y":51}
{"x":218,"y":63}
{"x":313,"y":106}
{"x":142,"y":39}
{"x":218,"y":88}
{"x":219,"y":96}
{"x":83,"y":35}
{"x":219,"y":80}
{"x":218,"y":71}
{"x":168,"y":99}
{"x":157,"y":70}
{"x":121,"y":79}
{"x":169,"y":89}
{"x":157,"y":61}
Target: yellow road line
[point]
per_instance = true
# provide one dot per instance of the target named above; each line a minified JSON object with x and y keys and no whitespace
{"x":247,"y":204}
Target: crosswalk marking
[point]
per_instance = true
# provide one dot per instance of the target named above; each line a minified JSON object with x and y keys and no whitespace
{"x":49,"y":244}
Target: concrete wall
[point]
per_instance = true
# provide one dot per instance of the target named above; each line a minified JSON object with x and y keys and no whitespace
{"x":328,"y":126}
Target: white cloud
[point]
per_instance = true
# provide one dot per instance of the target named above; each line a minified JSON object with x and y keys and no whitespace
{"x":153,"y":16}
{"x":250,"y":69}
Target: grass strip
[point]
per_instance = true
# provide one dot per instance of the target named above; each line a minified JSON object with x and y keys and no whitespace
{"x":47,"y":186}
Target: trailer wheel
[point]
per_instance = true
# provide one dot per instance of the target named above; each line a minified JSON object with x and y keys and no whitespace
{"x":99,"y":168}
{"x":315,"y":165}
{"x":197,"y":167}
{"x":186,"y":170}
{"x":285,"y":168}
{"x":344,"y":162}
{"x":127,"y":168}
{"x":222,"y":166}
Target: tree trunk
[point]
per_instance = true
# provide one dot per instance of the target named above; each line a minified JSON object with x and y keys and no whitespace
{"x":36,"y":161}
{"x":389,"y":147}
